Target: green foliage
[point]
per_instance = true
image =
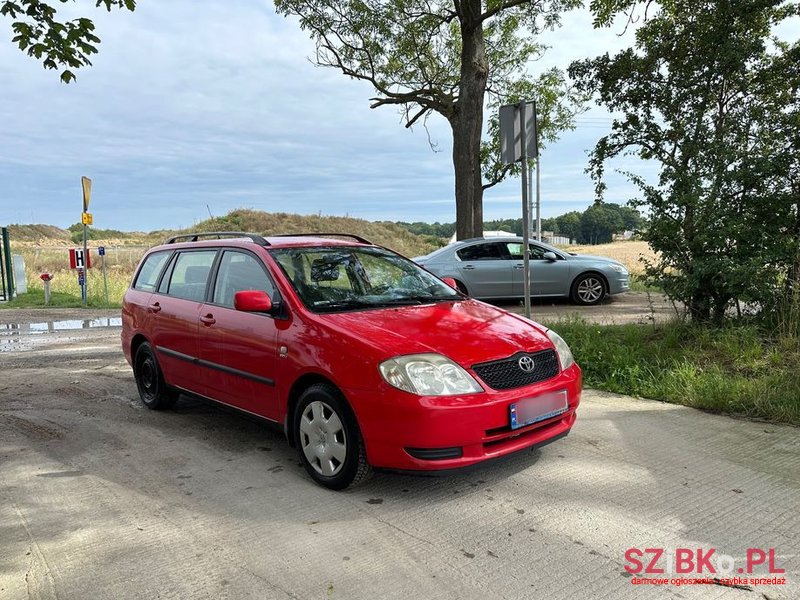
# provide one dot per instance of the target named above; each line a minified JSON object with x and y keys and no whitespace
{"x":715,"y":102}
{"x":596,"y":225}
{"x":61,"y":45}
{"x":439,"y":230}
{"x":737,"y":370}
{"x":92,"y":233}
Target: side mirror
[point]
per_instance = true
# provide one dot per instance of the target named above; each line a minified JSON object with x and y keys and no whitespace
{"x":451,"y":282}
{"x":550,"y":256}
{"x":252,"y":301}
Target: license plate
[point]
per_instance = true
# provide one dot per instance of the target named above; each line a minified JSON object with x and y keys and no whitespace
{"x":540,"y":408}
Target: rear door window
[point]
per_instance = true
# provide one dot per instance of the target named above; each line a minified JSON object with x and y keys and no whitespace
{"x":189,"y":276}
{"x":150,"y":271}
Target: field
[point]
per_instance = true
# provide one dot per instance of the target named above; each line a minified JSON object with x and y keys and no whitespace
{"x":629,"y":253}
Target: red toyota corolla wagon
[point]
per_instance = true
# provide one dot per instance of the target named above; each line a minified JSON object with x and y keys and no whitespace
{"x":365,"y":359}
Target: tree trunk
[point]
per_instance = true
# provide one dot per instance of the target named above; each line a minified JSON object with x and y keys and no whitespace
{"x":467,"y":123}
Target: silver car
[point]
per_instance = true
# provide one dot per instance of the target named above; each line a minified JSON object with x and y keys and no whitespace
{"x":491,"y":268}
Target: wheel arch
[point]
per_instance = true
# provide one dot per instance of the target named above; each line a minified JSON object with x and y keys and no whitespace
{"x":298,"y":387}
{"x":137,"y":341}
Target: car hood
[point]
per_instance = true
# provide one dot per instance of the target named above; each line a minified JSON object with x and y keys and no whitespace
{"x":593,"y":258}
{"x":467,"y":331}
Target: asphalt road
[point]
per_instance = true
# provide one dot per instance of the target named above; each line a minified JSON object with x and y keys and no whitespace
{"x":101,"y":498}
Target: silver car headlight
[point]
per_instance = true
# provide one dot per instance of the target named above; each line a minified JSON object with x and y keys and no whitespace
{"x":428,"y":375}
{"x":619,"y":269}
{"x":562,"y":349}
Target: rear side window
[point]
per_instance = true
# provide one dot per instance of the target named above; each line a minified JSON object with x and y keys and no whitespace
{"x":151,"y":269}
{"x":493,"y":251}
{"x":190,"y":275}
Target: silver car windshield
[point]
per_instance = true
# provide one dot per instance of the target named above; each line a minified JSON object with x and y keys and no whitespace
{"x":341,"y":278}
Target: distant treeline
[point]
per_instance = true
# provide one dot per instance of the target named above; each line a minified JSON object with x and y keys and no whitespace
{"x":596,"y":225}
{"x":76,"y":233}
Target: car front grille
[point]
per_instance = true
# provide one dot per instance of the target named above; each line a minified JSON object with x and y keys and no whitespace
{"x":507,"y":374}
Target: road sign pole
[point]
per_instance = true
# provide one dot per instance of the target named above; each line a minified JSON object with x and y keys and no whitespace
{"x":86,"y":219}
{"x":538,"y":198}
{"x":85,"y":290}
{"x":526,"y":217}
{"x":530,"y":199}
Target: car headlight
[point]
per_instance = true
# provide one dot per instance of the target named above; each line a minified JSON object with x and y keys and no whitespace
{"x":562,"y":349}
{"x":428,"y":375}
{"x":619,"y":269}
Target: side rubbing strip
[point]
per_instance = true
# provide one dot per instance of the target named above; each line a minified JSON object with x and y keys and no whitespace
{"x":212,"y":365}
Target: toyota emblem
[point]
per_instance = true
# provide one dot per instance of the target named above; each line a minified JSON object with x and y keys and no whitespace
{"x":526,"y":364}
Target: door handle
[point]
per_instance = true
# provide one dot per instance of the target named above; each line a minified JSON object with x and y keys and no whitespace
{"x":519,"y":266}
{"x":468,"y":268}
{"x":208,"y":319}
{"x":155,"y":307}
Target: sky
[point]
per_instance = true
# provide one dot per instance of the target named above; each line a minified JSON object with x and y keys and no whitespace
{"x":198,"y":106}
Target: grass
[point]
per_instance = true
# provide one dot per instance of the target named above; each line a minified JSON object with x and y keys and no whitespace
{"x":638,"y":284}
{"x":35,"y":299}
{"x":64,"y":289}
{"x":735,"y":370}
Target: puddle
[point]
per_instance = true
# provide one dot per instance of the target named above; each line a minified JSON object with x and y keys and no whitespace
{"x":53,"y":326}
{"x":16,"y":336}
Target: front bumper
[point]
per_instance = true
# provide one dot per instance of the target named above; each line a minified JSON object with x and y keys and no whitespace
{"x":394,"y":422}
{"x":619,"y":284}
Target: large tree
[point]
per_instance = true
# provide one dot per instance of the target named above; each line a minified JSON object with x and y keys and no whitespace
{"x":708,"y":95}
{"x":444,"y":56}
{"x":59,"y":44}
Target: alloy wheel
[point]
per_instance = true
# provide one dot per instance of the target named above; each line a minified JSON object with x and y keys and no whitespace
{"x":590,"y":290}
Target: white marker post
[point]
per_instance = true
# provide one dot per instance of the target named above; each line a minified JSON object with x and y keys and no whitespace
{"x":101,"y":250}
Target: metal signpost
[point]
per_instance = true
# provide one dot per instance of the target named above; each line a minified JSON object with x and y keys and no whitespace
{"x":86,"y":219}
{"x":518,"y":141}
{"x":6,"y":268}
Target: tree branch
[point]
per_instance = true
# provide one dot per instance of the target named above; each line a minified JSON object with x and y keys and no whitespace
{"x":501,"y":7}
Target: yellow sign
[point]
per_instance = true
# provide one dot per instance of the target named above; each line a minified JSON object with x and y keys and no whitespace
{"x":86,"y":218}
{"x":86,"y":183}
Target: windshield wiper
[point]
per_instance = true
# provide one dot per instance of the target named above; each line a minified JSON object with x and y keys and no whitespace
{"x":326,"y":305}
{"x":420,"y":299}
{"x":334,"y":304}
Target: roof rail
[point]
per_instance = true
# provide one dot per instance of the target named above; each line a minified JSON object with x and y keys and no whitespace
{"x":357,"y":238}
{"x":193,"y":237}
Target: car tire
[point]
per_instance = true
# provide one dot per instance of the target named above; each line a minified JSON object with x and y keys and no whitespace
{"x":588,"y":289}
{"x":328,"y":438}
{"x":153,"y":390}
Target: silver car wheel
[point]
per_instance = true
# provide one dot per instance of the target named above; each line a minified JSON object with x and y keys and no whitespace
{"x":322,"y":438}
{"x":590,"y":290}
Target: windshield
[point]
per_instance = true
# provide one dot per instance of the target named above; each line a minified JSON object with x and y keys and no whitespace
{"x":343,"y":278}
